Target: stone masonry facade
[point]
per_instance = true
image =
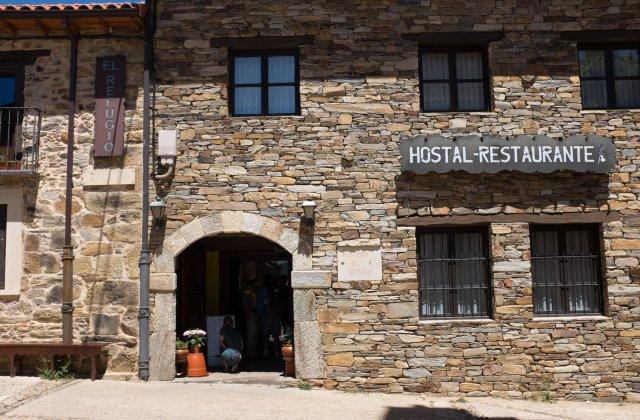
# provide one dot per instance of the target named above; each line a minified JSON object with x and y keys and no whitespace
{"x":106,"y":220}
{"x":359,"y":97}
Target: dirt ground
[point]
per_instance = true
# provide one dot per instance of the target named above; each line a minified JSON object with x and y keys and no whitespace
{"x":253,"y":397}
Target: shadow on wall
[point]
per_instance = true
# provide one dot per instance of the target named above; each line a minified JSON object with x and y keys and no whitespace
{"x":440,"y":194}
{"x":432,"y":413}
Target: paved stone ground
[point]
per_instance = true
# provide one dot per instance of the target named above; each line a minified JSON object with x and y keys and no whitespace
{"x":217,"y":397}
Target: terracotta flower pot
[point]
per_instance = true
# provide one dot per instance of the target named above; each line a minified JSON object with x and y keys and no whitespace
{"x":181,"y":355}
{"x":287,"y":351}
{"x":196,"y":365}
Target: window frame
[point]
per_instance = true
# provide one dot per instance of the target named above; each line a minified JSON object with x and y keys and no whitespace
{"x":4,"y":212}
{"x":608,"y":77}
{"x":598,"y":288}
{"x":487,"y":293}
{"x":264,"y":81}
{"x":15,"y":70}
{"x":453,"y":80}
{"x":13,"y":198}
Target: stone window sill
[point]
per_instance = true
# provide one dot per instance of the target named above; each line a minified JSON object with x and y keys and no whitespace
{"x":461,"y":321}
{"x":570,"y":318}
{"x":607,"y":111}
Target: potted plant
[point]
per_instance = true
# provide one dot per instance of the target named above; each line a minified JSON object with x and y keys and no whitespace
{"x":287,"y":351}
{"x":196,"y":365}
{"x":182,"y":350}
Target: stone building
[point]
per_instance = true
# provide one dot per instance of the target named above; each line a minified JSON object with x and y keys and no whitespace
{"x":474,"y":170}
{"x":35,"y":55}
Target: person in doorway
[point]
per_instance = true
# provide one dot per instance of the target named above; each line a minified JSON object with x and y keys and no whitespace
{"x":250,"y":312}
{"x":262,"y":306}
{"x":231,"y":344}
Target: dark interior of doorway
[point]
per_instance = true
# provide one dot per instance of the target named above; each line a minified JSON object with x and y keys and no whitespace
{"x":213,"y":275}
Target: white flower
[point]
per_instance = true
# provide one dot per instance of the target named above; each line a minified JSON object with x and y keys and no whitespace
{"x":194,"y":333}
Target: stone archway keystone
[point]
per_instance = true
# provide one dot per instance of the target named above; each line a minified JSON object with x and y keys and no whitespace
{"x":310,"y":363}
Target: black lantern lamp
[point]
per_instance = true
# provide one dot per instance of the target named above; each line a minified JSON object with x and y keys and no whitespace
{"x":157,"y":211}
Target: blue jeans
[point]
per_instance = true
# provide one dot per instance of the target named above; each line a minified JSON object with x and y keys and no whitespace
{"x":231,"y":357}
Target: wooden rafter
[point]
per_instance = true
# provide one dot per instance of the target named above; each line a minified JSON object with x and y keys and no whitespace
{"x":40,"y":24}
{"x":9,"y":26}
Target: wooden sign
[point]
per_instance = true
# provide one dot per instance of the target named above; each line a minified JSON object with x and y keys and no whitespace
{"x":110,"y":96}
{"x":489,"y":154}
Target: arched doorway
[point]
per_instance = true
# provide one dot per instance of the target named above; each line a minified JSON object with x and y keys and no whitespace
{"x":243,"y":276}
{"x":305,"y":281}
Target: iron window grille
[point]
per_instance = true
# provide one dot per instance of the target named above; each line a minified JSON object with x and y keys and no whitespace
{"x":610,"y":77}
{"x":454,"y":84}
{"x":566,"y":269}
{"x":454,"y":274}
{"x":266,"y":85}
{"x":3,"y":244}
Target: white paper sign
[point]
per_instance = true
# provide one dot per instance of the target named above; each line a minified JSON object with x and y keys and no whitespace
{"x":214,"y":325}
{"x":359,"y":263}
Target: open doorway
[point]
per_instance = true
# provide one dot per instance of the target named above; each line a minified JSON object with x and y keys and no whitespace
{"x":244,"y":276}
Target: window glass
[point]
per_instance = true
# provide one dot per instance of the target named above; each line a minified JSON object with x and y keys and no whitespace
{"x":7,"y":90}
{"x":565,"y":268}
{"x":453,"y":274}
{"x":282,"y":69}
{"x":627,"y":93}
{"x":453,"y":81}
{"x":625,"y":63}
{"x":592,"y":63}
{"x":436,"y":97}
{"x":610,"y":78}
{"x":435,"y":66}
{"x":470,"y":96}
{"x":248,"y":100}
{"x":274,"y":94}
{"x":594,"y":93}
{"x":469,"y":65}
{"x":247,"y":70}
{"x":282,"y":100}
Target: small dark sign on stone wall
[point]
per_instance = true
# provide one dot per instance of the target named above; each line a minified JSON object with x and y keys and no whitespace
{"x":110,"y":96}
{"x":490,"y":154}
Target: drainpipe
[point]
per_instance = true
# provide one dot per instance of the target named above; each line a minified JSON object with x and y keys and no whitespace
{"x":145,"y":257}
{"x":67,"y":250}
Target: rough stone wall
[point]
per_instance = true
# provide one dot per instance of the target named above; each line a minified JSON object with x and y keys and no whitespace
{"x":359,"y":97}
{"x":106,"y":222}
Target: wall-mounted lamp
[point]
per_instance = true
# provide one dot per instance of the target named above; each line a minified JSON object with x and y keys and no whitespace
{"x":157,"y":211}
{"x":309,"y":208}
{"x":167,"y":151}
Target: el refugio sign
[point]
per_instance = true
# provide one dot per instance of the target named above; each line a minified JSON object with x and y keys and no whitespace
{"x":490,"y":154}
{"x":110,"y":97}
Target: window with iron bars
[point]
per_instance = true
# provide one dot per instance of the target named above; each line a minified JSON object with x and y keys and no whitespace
{"x":566,"y":269}
{"x":454,"y":273}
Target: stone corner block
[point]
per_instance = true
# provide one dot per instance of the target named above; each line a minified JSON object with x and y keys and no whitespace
{"x":163,"y":282}
{"x":162,"y":349}
{"x":310,"y":363}
{"x":310,"y":279}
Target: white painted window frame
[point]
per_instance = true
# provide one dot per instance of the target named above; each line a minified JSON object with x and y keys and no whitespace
{"x":12,"y":197}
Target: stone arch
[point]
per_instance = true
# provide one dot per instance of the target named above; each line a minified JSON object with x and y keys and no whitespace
{"x":163,"y":283}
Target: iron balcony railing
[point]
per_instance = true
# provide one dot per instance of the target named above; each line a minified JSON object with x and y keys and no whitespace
{"x":19,"y":139}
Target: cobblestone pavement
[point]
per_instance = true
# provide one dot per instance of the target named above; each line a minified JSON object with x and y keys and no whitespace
{"x":219,"y":399}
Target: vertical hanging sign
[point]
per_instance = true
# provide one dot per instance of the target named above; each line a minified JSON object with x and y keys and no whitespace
{"x":110,"y":94}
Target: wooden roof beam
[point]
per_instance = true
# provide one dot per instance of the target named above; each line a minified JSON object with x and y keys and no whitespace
{"x":9,"y":26}
{"x":42,"y":26}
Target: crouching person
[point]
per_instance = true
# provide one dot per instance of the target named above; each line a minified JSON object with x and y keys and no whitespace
{"x":231,"y":345}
